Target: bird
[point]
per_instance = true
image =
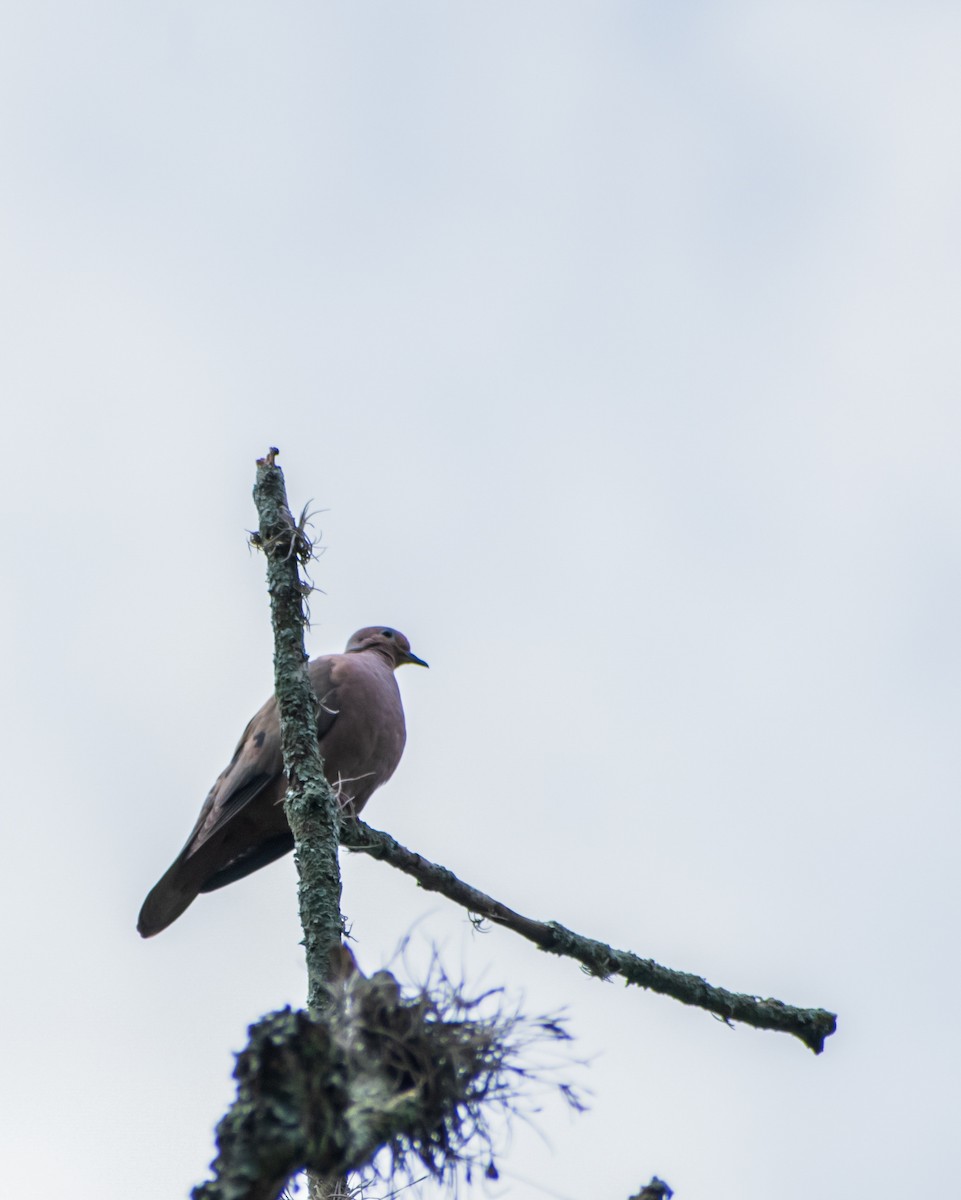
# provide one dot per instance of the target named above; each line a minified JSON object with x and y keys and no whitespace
{"x":242,"y":825}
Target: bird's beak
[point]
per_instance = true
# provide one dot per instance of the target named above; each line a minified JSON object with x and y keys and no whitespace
{"x":412,"y":658}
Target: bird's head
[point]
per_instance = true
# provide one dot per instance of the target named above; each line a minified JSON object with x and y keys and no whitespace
{"x":391,"y":643}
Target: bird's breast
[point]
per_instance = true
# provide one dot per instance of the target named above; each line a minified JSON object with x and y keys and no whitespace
{"x":364,"y":744}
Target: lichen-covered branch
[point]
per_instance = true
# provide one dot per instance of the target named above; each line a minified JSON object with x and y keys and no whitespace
{"x":287,"y":1075}
{"x":810,"y":1025}
{"x":657,"y":1189}
{"x":310,"y":804}
{"x":415,"y":1076}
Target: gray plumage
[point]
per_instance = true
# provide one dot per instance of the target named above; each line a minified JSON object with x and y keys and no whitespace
{"x":242,"y":825}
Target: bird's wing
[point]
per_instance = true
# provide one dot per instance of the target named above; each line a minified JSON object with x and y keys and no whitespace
{"x":258,"y":763}
{"x":233,"y":836}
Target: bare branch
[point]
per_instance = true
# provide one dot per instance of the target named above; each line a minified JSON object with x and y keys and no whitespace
{"x":810,"y":1025}
{"x":310,"y":803}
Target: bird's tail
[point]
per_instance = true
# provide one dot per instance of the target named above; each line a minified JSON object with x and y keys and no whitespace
{"x":166,"y":901}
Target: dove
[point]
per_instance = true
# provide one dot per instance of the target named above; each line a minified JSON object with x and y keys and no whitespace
{"x":242,"y":825}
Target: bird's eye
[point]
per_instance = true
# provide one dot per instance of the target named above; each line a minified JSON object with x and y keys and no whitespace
{"x":388,"y":633}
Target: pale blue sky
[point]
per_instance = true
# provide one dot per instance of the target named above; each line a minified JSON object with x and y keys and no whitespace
{"x":620,"y":342}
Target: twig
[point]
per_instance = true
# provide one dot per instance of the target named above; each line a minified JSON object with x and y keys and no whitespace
{"x":810,"y":1025}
